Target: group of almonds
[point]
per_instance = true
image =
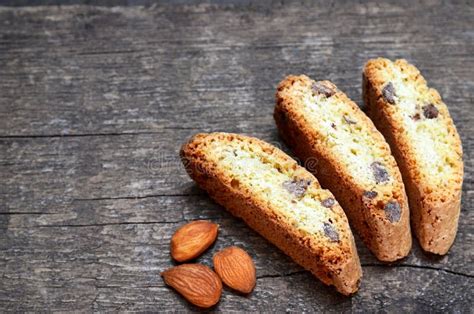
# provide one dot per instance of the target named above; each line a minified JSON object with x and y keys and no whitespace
{"x":197,"y":283}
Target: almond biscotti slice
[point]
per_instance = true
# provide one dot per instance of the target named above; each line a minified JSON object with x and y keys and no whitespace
{"x":425,"y":143}
{"x":280,"y":200}
{"x":320,"y":123}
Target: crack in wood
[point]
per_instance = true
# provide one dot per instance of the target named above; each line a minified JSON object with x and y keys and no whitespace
{"x":27,"y":136}
{"x":299,"y":272}
{"x":377,"y":265}
{"x":420,"y":267}
{"x":86,"y":53}
{"x":32,"y":136}
{"x":27,"y":213}
{"x":135,"y":197}
{"x":105,"y":224}
{"x":128,"y":287}
{"x":97,"y":225}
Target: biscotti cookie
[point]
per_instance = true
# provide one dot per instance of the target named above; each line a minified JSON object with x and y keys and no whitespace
{"x":425,"y":143}
{"x":319,"y":121}
{"x":280,"y":200}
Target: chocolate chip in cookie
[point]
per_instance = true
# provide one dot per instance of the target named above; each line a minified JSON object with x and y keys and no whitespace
{"x":297,"y":187}
{"x":430,"y":111}
{"x":370,"y":195}
{"x":380,"y":173}
{"x":330,"y":232}
{"x":328,"y":202}
{"x":349,"y":120}
{"x":323,"y":88}
{"x":416,"y":116}
{"x":389,"y":94}
{"x":393,"y":212}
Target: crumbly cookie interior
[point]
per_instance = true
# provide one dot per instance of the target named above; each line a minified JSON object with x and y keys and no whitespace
{"x":277,"y":184}
{"x":348,"y":139}
{"x":430,"y":138}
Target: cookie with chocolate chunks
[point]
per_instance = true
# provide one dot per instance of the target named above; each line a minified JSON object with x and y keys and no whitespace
{"x":354,"y":160}
{"x":427,"y":148}
{"x":280,"y":200}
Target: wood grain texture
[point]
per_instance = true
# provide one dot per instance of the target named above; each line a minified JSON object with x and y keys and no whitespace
{"x":96,"y":101}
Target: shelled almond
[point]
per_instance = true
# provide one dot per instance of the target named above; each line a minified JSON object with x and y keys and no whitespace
{"x":236,"y":269}
{"x":192,"y":239}
{"x":197,"y":283}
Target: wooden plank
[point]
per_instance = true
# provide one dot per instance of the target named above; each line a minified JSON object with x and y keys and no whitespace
{"x":98,"y":70}
{"x":107,"y":267}
{"x":129,"y":230}
{"x":96,"y":101}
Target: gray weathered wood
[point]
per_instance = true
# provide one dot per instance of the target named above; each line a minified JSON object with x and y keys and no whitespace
{"x":96,"y":101}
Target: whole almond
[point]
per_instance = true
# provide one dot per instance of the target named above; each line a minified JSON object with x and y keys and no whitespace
{"x":197,"y":283}
{"x":192,"y":239}
{"x":236,"y":269}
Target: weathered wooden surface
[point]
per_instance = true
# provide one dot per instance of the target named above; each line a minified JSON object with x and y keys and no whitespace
{"x":95,"y":102}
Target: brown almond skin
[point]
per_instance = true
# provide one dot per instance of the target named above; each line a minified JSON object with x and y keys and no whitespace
{"x":236,"y":269}
{"x":192,"y":239}
{"x":197,"y":283}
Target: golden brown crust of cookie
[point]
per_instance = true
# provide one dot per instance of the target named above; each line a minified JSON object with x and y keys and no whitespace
{"x":334,"y":264}
{"x":434,"y":207}
{"x":388,"y":240}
